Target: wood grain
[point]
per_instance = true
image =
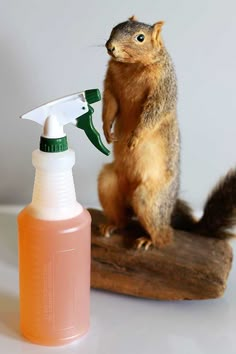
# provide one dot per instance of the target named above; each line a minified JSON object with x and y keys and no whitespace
{"x":192,"y":267}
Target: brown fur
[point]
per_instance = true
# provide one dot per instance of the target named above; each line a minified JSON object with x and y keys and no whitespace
{"x":140,"y":95}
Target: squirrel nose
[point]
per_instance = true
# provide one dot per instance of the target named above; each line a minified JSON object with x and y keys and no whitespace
{"x":110,"y":47}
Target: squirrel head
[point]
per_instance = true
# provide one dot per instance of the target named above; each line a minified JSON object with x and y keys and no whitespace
{"x":135,"y":42}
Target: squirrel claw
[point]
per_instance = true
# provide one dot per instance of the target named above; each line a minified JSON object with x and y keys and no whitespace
{"x":144,"y":242}
{"x":112,"y":138}
{"x":106,"y":230}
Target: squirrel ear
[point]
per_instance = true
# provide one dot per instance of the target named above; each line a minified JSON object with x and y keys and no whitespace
{"x":156,"y":33}
{"x":133,"y":18}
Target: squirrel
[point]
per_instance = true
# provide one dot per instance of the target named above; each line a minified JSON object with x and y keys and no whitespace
{"x":140,"y":99}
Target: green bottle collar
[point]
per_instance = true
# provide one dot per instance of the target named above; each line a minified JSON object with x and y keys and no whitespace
{"x":53,"y":145}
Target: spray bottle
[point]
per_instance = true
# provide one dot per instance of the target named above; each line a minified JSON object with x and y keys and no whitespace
{"x":55,"y":230}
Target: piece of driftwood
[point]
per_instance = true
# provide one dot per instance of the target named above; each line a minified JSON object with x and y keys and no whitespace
{"x":192,"y":267}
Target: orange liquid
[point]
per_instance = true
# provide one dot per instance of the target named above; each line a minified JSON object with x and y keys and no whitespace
{"x":54,"y":267}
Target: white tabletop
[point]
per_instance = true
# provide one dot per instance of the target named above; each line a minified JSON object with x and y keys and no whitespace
{"x":122,"y":324}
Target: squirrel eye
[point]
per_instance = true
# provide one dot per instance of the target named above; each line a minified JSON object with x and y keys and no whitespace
{"x":140,"y":37}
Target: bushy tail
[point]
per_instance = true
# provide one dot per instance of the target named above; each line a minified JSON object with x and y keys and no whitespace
{"x":219,"y":214}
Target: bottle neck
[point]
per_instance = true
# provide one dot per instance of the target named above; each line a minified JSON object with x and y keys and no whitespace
{"x":54,"y":196}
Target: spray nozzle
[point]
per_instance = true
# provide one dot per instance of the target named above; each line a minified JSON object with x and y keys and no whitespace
{"x":74,"y":109}
{"x":92,"y":96}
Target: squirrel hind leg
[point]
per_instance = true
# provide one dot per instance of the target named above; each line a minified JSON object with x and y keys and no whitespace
{"x":160,"y":238}
{"x":112,"y":200}
{"x":154,"y":210}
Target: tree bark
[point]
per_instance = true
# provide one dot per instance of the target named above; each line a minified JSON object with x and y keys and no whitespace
{"x":191,"y":267}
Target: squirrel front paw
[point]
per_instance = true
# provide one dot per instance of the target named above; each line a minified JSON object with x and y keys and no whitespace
{"x":110,"y":137}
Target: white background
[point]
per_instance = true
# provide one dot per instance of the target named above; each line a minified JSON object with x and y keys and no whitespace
{"x":52,"y":48}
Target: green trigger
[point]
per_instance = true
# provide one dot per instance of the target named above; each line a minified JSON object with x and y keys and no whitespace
{"x":85,"y":123}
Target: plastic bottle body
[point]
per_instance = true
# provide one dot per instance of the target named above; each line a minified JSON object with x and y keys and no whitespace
{"x":54,"y":265}
{"x":54,"y":255}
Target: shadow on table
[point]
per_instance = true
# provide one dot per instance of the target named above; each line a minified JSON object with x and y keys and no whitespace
{"x":8,"y":239}
{"x":9,"y":316}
